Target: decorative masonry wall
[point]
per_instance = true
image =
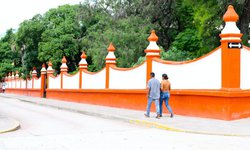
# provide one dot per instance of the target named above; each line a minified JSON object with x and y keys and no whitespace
{"x":216,"y":85}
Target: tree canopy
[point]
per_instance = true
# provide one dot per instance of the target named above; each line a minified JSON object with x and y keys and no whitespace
{"x":187,"y":29}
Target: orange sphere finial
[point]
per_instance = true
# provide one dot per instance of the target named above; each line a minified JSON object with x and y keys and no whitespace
{"x":64,"y":59}
{"x":111,"y":48}
{"x":230,"y":15}
{"x":153,"y":36}
{"x":83,"y":56}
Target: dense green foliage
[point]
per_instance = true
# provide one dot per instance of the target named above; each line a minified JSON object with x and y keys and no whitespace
{"x":187,"y":29}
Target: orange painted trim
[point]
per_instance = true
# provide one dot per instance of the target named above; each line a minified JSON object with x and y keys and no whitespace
{"x":21,"y":89}
{"x":61,"y":74}
{"x":52,"y":76}
{"x":142,"y":91}
{"x":231,"y":40}
{"x":217,"y":104}
{"x":93,"y":73}
{"x":245,"y":47}
{"x":213,"y":93}
{"x":27,"y":92}
{"x":107,"y":76}
{"x":127,"y":69}
{"x":152,"y":51}
{"x":70,"y":75}
{"x":80,"y":78}
{"x":204,"y":92}
{"x":110,"y":58}
{"x":231,"y":35}
{"x":186,"y":62}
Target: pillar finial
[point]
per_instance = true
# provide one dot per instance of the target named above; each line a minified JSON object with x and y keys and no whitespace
{"x":111,"y":47}
{"x":34,"y":73}
{"x":64,"y":67}
{"x":50,"y":70}
{"x":110,"y":58}
{"x":43,"y":70}
{"x":17,"y":75}
{"x":153,"y":49}
{"x":230,"y":32}
{"x":230,"y":15}
{"x":153,"y":37}
{"x":83,"y":63}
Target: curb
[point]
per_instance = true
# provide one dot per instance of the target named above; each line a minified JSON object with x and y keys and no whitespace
{"x":164,"y":127}
{"x":15,"y":127}
{"x":135,"y":121}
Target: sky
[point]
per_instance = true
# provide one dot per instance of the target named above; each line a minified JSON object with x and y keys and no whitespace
{"x":13,"y":12}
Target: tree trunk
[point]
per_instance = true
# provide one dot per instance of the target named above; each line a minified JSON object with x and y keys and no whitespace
{"x":244,"y":21}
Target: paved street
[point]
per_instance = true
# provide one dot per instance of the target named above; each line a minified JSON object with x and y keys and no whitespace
{"x":46,"y":128}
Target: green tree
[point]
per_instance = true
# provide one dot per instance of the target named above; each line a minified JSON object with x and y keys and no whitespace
{"x":28,"y":38}
{"x":60,"y":37}
{"x":128,"y":35}
{"x":9,"y":56}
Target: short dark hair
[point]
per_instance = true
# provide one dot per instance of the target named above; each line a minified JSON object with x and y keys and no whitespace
{"x":165,"y":76}
{"x":152,"y":74}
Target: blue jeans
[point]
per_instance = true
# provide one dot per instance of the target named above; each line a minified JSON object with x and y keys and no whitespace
{"x":150,"y":100}
{"x":165,"y":97}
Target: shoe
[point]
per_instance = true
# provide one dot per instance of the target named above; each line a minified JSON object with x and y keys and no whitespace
{"x":146,"y":115}
{"x":158,"y":116}
{"x":172,"y":115}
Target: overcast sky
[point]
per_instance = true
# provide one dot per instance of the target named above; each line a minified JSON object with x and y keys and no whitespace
{"x":13,"y":12}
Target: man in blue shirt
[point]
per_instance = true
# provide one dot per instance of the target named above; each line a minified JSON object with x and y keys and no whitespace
{"x":153,"y":91}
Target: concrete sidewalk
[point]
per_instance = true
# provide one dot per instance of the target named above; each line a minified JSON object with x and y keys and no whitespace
{"x":178,"y":123}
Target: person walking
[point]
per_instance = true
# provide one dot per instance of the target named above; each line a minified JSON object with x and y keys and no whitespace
{"x":165,"y":94}
{"x":3,"y":87}
{"x":153,"y":91}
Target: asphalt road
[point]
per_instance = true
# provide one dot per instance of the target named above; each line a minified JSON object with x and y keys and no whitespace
{"x":45,"y":128}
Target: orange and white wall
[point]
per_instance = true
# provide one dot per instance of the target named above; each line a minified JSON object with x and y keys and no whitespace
{"x":216,"y":85}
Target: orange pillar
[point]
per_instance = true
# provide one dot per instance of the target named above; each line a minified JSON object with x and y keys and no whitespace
{"x":83,"y":65}
{"x":110,"y":61}
{"x":152,"y":51}
{"x":230,"y":50}
{"x":34,"y":74}
{"x":50,"y":72}
{"x":64,"y":69}
{"x":13,"y":79}
{"x":17,"y":78}
{"x":43,"y":81}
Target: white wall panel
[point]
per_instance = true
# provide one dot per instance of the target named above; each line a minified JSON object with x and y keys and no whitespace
{"x":29,"y":84}
{"x":245,"y":69}
{"x":129,"y":79}
{"x":37,"y":83}
{"x":204,"y":73}
{"x":55,"y":83}
{"x":23,"y":84}
{"x":71,"y":82}
{"x":18,"y":82}
{"x":94,"y":81}
{"x":13,"y":83}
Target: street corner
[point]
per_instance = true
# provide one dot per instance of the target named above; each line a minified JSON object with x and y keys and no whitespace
{"x":8,"y":124}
